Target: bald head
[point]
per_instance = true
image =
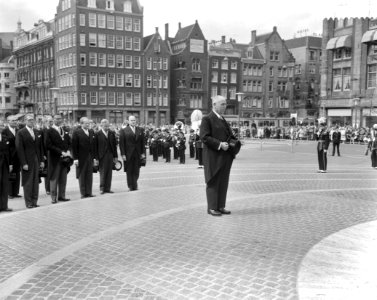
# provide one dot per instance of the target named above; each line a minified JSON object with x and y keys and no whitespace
{"x":219,"y":104}
{"x":132,"y":120}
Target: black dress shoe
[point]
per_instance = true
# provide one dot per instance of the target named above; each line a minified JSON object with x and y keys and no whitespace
{"x":29,"y":206}
{"x":214,"y":213}
{"x":63,"y":199}
{"x":101,"y":192}
{"x":90,"y":196}
{"x":8,"y":209}
{"x":224,"y":211}
{"x":54,"y":201}
{"x":17,"y":196}
{"x":110,"y":192}
{"x":35,"y":205}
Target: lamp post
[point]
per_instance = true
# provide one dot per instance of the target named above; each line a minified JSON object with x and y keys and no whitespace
{"x":157,"y":52}
{"x":239,"y":99}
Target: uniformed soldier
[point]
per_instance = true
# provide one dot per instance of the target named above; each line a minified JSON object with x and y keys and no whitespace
{"x":167,"y":143}
{"x":181,"y":147}
{"x":154,"y":145}
{"x":191,"y":143}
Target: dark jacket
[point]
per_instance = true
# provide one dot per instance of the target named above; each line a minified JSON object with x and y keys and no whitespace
{"x":83,"y":146}
{"x":12,"y":145}
{"x":104,"y":144}
{"x":27,"y":148}
{"x":56,"y":144}
{"x":131,"y":144}
{"x":5,"y":150}
{"x":336,"y":137}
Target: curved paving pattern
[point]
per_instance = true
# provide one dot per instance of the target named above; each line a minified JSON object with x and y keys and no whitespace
{"x":158,"y":243}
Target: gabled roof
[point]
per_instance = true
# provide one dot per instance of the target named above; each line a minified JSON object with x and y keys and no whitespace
{"x":7,"y":37}
{"x":147,"y":40}
{"x":260,"y":39}
{"x":309,"y":41}
{"x":245,"y":48}
{"x":183,"y":33}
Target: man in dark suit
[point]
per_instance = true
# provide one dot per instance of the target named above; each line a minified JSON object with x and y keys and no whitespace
{"x":5,"y":167}
{"x":217,"y":157}
{"x":336,"y":135}
{"x":83,"y":150}
{"x":107,"y":154}
{"x":131,"y":142}
{"x":10,"y":132}
{"x":29,"y":145}
{"x":46,"y":126}
{"x":58,"y":144}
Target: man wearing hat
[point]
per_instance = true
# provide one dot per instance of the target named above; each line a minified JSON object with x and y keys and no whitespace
{"x":323,"y":138}
{"x":29,"y":145}
{"x":10,"y":132}
{"x":336,"y":135}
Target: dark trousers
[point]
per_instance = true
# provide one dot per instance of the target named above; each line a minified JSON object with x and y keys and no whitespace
{"x":373,"y":157}
{"x":30,"y":181}
{"x":4,"y":185}
{"x":167,"y":154}
{"x":217,"y":186}
{"x":335,"y":145}
{"x":322,"y":159}
{"x":175,"y":153}
{"x":192,"y":151}
{"x":58,"y":181}
{"x":106,"y":172}
{"x":86,"y":177}
{"x":182,"y":156}
{"x":155,"y":154}
{"x":133,"y":172}
{"x":14,"y":186}
{"x":199,"y":153}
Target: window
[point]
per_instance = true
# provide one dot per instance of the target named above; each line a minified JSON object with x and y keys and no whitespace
{"x":120,"y":98}
{"x":224,"y":77}
{"x":92,"y":20}
{"x":274,"y":55}
{"x":270,"y":102}
{"x":149,"y":63}
{"x":110,"y":4}
{"x":346,"y":79}
{"x":83,"y":98}
{"x":298,"y":69}
{"x":128,"y":6}
{"x":196,"y":84}
{"x":111,"y":98}
{"x":271,"y":86}
{"x":213,"y":91}
{"x":196,"y":101}
{"x":137,"y":62}
{"x":111,"y":41}
{"x":92,"y":4}
{"x":372,"y":76}
{"x":338,"y":53}
{"x":149,"y":81}
{"x":215,"y":63}
{"x":137,"y":25}
{"x":102,"y":40}
{"x":93,"y":79}
{"x":119,"y":23}
{"x":136,"y":44}
{"x":128,"y":43}
{"x":312,"y":68}
{"x":224,"y":91}
{"x":82,"y":59}
{"x":137,"y":99}
{"x":120,"y":79}
{"x":93,"y":97}
{"x":128,"y":61}
{"x":119,"y":42}
{"x":92,"y":59}
{"x":110,"y":22}
{"x":224,"y":64}
{"x":337,"y":79}
{"x":233,"y":65}
{"x":271,"y":71}
{"x":128,"y":24}
{"x":129,"y":99}
{"x":92,"y":40}
{"x":347,"y":52}
{"x":82,"y":20}
{"x":111,"y":79}
{"x":82,"y":39}
{"x":111,"y":60}
{"x":137,"y":82}
{"x":233,"y":78}
{"x":164,"y":63}
{"x":165,"y":81}
{"x":102,"y":98}
{"x":101,"y":21}
{"x":312,"y":55}
{"x":196,"y":64}
{"x":101,"y":60}
{"x":214,"y":77}
{"x":129,"y":79}
{"x":102,"y":79}
{"x":232,"y":93}
{"x":149,"y":99}
{"x":120,"y":61}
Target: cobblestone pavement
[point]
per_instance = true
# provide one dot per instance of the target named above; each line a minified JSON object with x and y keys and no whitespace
{"x":159,"y":243}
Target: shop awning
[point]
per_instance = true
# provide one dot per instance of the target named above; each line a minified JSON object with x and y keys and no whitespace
{"x":343,"y":41}
{"x":369,"y":36}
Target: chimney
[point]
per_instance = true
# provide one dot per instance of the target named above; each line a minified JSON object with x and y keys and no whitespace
{"x":166,"y":31}
{"x":223,"y":39}
{"x":274,"y":29}
{"x":179,"y":26}
{"x":19,"y":26}
{"x":156,"y":29}
{"x":253,"y":37}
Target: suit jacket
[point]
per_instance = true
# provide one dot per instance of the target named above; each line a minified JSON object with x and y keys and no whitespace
{"x":12,"y":145}
{"x":83,"y":146}
{"x":56,"y":144}
{"x":104,"y":144}
{"x":336,"y":137}
{"x":131,"y":143}
{"x":28,"y":149}
{"x":5,"y":151}
{"x":213,"y":131}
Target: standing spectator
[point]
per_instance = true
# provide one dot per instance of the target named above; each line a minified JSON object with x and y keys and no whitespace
{"x":107,"y":154}
{"x":10,"y":132}
{"x":336,"y":135}
{"x":5,"y":167}
{"x":191,"y":143}
{"x":29,"y":145}
{"x":83,"y":151}
{"x":132,"y":150}
{"x":199,"y":148}
{"x":48,"y":123}
{"x":323,"y":138}
{"x":373,"y":146}
{"x":58,"y":145}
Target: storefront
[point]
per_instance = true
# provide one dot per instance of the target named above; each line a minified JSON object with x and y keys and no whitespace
{"x":341,"y":117}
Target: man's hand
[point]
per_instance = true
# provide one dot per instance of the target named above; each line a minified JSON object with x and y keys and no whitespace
{"x":42,"y":165}
{"x":115,"y":160}
{"x":95,"y":162}
{"x":124,"y":158}
{"x":76,"y":162}
{"x":224,"y":146}
{"x":325,"y":150}
{"x":25,"y":167}
{"x":10,"y":168}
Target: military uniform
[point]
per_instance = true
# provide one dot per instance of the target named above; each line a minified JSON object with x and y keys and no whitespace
{"x":323,"y":138}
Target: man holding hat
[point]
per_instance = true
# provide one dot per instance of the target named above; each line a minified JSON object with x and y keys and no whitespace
{"x":29,"y":145}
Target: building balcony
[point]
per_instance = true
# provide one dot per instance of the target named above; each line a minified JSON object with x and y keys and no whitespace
{"x":21,"y":84}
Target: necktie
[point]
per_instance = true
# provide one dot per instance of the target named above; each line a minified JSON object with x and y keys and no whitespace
{"x":32,"y":133}
{"x":0,"y":138}
{"x":133,"y":128}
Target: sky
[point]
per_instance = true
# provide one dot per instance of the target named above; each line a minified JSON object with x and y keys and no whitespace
{"x":232,"y":18}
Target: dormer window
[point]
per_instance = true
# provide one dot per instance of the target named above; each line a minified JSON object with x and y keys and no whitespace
{"x":92,"y":4}
{"x":128,"y":6}
{"x":109,"y":4}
